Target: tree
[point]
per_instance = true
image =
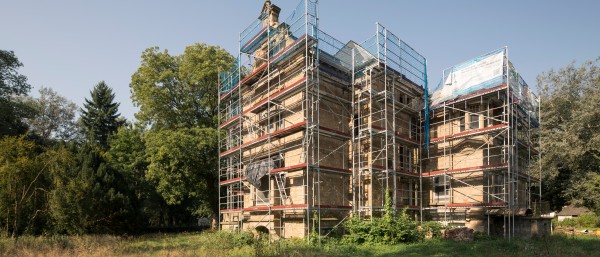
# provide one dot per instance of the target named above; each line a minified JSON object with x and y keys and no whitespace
{"x":100,"y":115}
{"x":570,"y":123}
{"x":182,"y":167}
{"x":12,"y":84}
{"x":55,"y":116}
{"x":127,"y":155}
{"x":127,"y":151}
{"x":25,"y":180}
{"x":92,"y":197}
{"x":179,"y":91}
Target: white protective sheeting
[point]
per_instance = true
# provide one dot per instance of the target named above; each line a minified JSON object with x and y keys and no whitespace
{"x":480,"y":73}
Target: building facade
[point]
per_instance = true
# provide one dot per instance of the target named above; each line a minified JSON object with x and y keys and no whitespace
{"x":316,"y":130}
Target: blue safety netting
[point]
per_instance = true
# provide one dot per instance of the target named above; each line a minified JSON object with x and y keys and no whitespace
{"x":229,"y":79}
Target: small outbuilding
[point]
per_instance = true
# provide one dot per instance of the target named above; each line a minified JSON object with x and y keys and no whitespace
{"x":571,"y":211}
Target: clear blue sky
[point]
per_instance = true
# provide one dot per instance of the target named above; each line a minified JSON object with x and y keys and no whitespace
{"x":70,"y":45}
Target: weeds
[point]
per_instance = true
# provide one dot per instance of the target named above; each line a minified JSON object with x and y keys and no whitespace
{"x":244,"y":244}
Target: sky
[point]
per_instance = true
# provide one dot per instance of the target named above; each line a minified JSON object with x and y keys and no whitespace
{"x":71,"y":45}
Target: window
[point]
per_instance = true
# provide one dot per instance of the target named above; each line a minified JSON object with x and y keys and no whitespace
{"x":473,"y":116}
{"x":279,"y":122}
{"x":262,"y":168}
{"x":401,"y":164}
{"x":275,"y":123}
{"x":441,"y":189}
{"x":277,"y":161}
{"x":498,"y":186}
{"x":272,"y":125}
{"x":474,"y":121}
{"x":262,"y":192}
{"x":462,"y":124}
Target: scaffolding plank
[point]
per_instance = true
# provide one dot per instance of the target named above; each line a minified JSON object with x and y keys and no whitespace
{"x":398,"y":135}
{"x":472,"y":132}
{"x":229,"y":92}
{"x":230,"y":181}
{"x":229,"y":121}
{"x":276,"y":95}
{"x":488,"y":204}
{"x":469,"y":96}
{"x":468,"y":169}
{"x":288,"y":130}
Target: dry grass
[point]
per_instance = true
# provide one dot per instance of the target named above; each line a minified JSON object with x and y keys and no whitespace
{"x":101,"y":246}
{"x":225,"y":244}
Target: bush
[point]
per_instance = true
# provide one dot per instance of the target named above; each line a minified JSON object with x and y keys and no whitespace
{"x":481,"y":236}
{"x":587,"y":220}
{"x":232,"y":239}
{"x":432,"y":228}
{"x":393,"y":228}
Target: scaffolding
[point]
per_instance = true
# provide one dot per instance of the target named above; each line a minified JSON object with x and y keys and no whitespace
{"x":284,"y":166}
{"x":314,"y":129}
{"x":483,"y":140}
{"x":388,"y":79}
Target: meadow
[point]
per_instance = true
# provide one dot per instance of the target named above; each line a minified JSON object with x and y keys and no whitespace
{"x":230,"y":244}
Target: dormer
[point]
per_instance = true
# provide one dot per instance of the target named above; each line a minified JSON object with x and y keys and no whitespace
{"x":270,"y":14}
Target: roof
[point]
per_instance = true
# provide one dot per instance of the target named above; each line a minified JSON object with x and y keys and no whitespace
{"x":573,"y":210}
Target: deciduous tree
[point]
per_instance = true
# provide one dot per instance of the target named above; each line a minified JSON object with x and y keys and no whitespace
{"x":182,"y":167}
{"x":179,"y":91}
{"x":54,"y":117}
{"x":12,"y":84}
{"x":25,"y":182}
{"x":570,"y":122}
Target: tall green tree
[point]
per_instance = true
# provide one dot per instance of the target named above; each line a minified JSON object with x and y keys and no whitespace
{"x":570,"y":123}
{"x":54,"y":117}
{"x":175,"y":91}
{"x":12,"y":84}
{"x":100,"y":114}
{"x":177,"y":97}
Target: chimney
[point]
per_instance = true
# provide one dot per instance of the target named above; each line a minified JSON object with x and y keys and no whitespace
{"x":271,"y":12}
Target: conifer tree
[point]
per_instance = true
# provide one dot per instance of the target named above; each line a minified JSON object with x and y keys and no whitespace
{"x":100,"y":116}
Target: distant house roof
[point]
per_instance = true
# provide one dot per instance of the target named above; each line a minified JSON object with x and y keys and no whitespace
{"x":573,"y":210}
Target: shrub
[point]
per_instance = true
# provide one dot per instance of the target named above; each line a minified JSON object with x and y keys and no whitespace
{"x":232,"y":239}
{"x":393,"y":228}
{"x":432,"y":228}
{"x":586,"y":220}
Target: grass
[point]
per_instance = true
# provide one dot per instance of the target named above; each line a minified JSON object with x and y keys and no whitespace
{"x":227,"y":244}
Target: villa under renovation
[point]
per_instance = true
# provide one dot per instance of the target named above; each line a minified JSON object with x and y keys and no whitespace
{"x":317,"y":130}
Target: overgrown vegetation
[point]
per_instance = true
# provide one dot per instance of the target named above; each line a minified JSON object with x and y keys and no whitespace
{"x":393,"y":227}
{"x":243,"y":244}
{"x":588,"y":220}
